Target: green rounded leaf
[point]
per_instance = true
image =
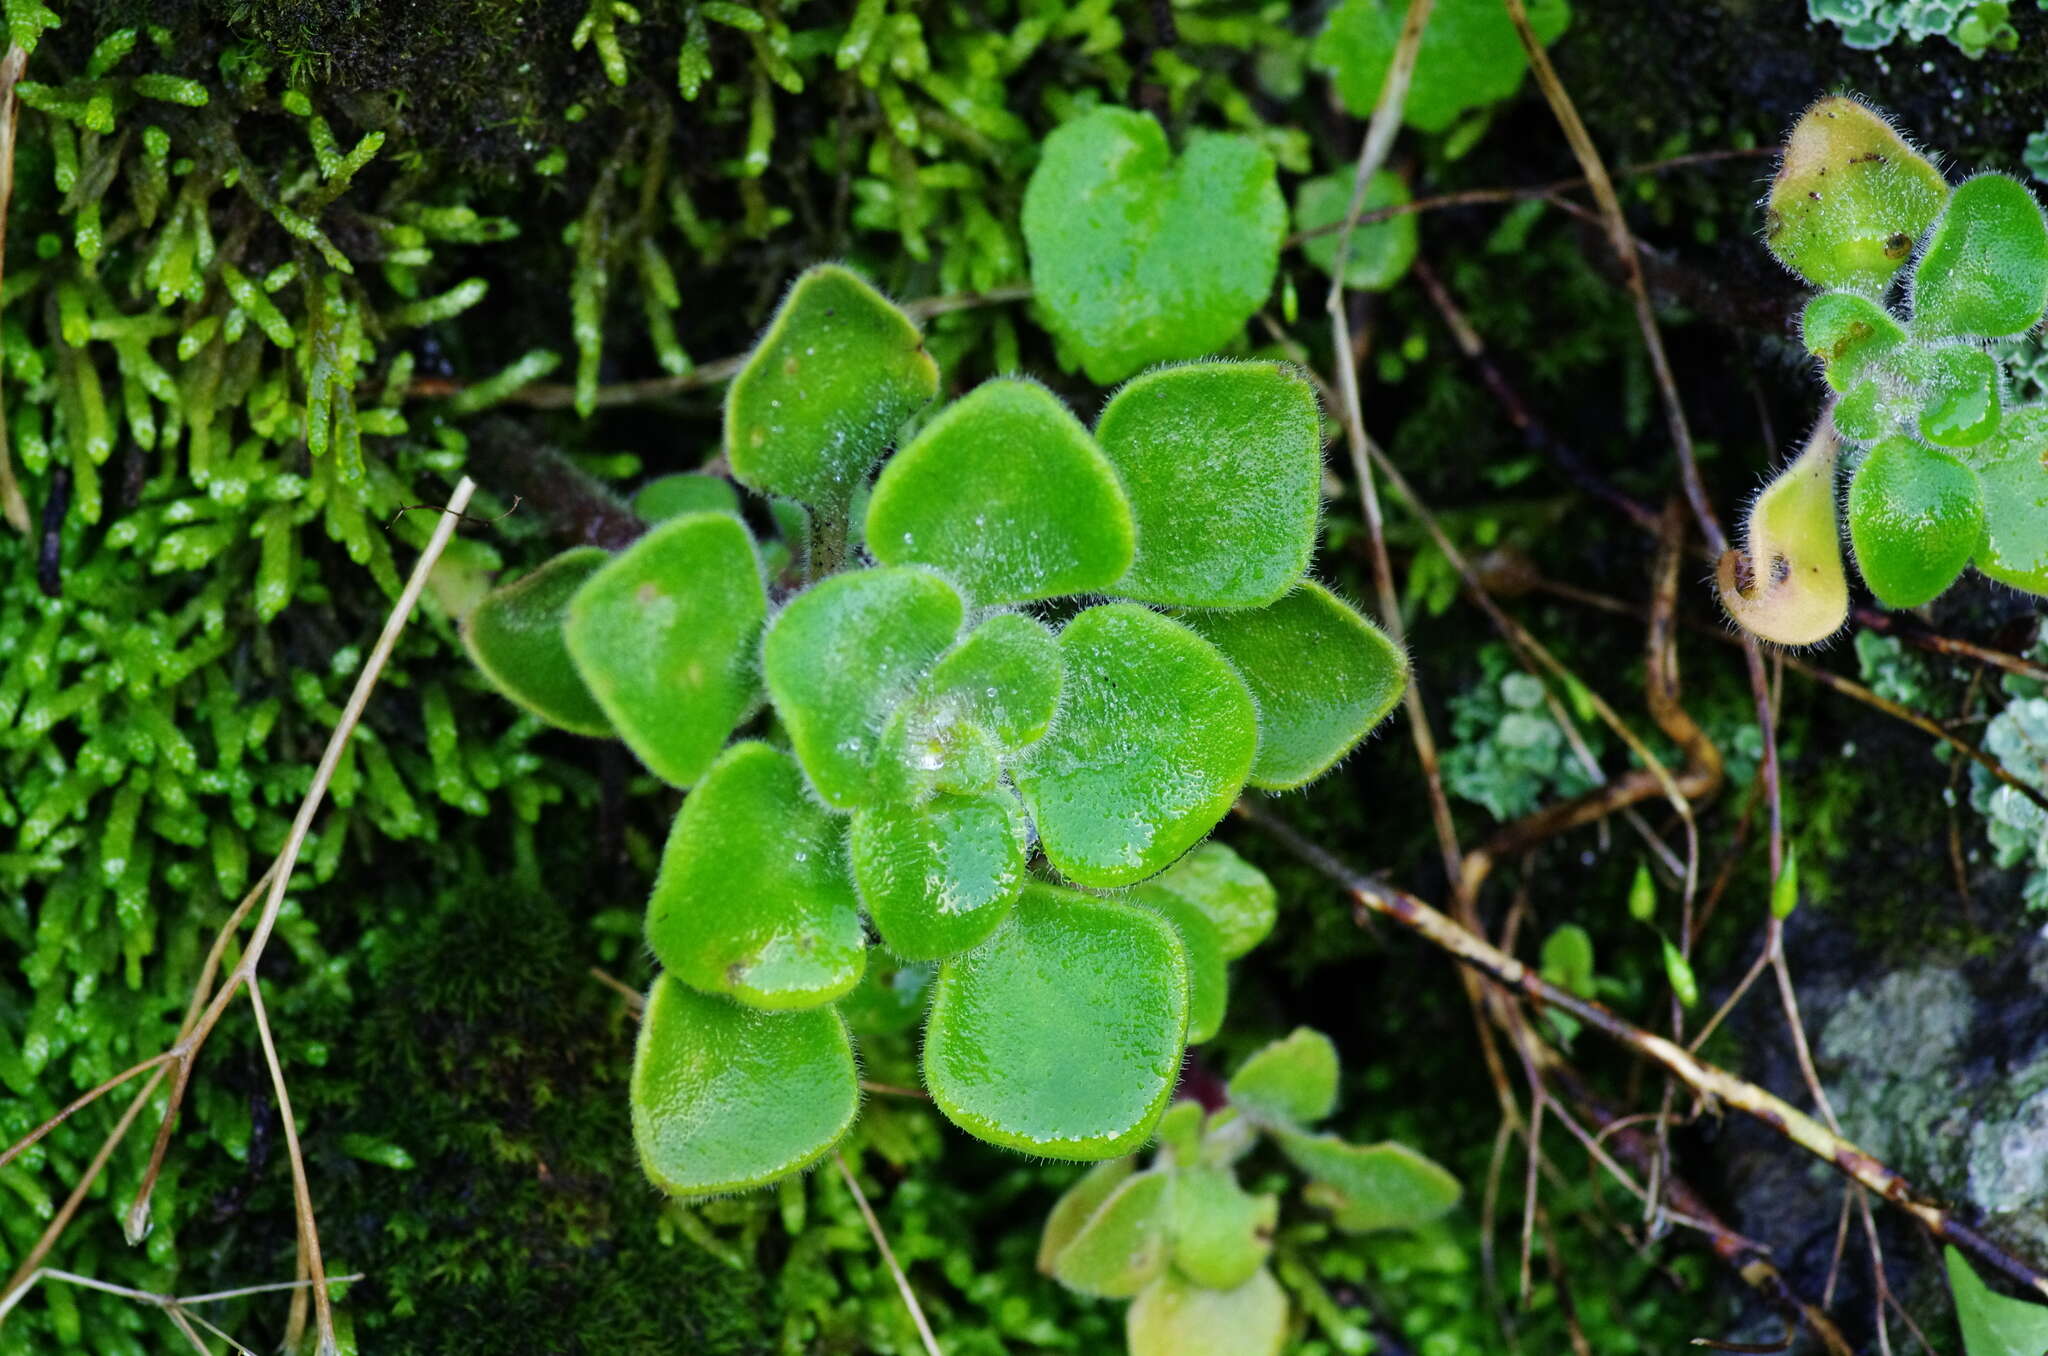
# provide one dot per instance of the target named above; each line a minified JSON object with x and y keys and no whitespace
{"x":725,"y":1098}
{"x":1993,"y":1324}
{"x":1322,"y":674}
{"x":824,"y":393}
{"x":1960,"y":407}
{"x":1174,"y":1316}
{"x":2015,"y":479}
{"x":938,"y":877}
{"x":1850,"y":197}
{"x":514,"y":635}
{"x":1470,"y":55}
{"x":1380,"y":252}
{"x":1916,"y":517}
{"x":1372,"y":1186}
{"x":1139,"y":258}
{"x":1122,"y":1246}
{"x":664,"y":636}
{"x":668,"y":497}
{"x":1075,"y":1208}
{"x":1007,"y":494}
{"x":752,"y":898}
{"x":1851,"y":335}
{"x":840,"y":659}
{"x":1154,"y":738}
{"x":1234,"y":894}
{"x":1221,"y":1232}
{"x":1005,"y":677}
{"x":1985,"y":269}
{"x":1223,"y":463}
{"x":1180,"y":1131}
{"x":1292,"y":1081}
{"x":1062,"y":1035}
{"x":1208,"y":970}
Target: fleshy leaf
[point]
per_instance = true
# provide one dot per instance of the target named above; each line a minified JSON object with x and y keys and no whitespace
{"x":824,"y":393}
{"x":1850,"y":197}
{"x":1322,"y":674}
{"x":515,"y":636}
{"x":840,"y":658}
{"x":1222,"y":1233}
{"x":2015,"y":479}
{"x":989,"y":697}
{"x":1153,"y":741}
{"x":1234,"y":894}
{"x":938,"y":877}
{"x":1005,"y":677}
{"x":664,"y":635}
{"x":1985,"y":269}
{"x":725,"y":1098}
{"x":668,"y":497}
{"x":1007,"y":494}
{"x":1062,"y":1035}
{"x":1372,"y":1186}
{"x":1794,"y":592}
{"x":1292,"y":1081}
{"x":1850,"y":334}
{"x":1139,"y":258}
{"x":1380,"y":252}
{"x":1916,"y":517}
{"x":752,"y":897}
{"x":1961,"y":405}
{"x":1123,"y":1244}
{"x":1208,"y":971}
{"x":1078,"y":1205}
{"x":1470,"y":55}
{"x":1180,"y":1131}
{"x":1174,"y":1316}
{"x":1992,"y":1324}
{"x":1223,"y":464}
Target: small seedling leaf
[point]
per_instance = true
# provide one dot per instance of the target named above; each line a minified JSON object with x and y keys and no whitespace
{"x":1175,"y":1316}
{"x":1075,"y":1208}
{"x":1123,"y":1245}
{"x":1221,"y":1232}
{"x":1290,"y":1082}
{"x":1373,"y":1186}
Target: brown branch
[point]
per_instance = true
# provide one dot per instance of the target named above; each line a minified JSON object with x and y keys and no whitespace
{"x":12,"y":505}
{"x":543,"y":395}
{"x":1713,"y":1084}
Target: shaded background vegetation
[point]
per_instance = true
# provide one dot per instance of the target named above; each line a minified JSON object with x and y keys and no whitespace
{"x":177,"y":628}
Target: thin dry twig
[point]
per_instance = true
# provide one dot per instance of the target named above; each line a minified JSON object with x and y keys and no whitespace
{"x":867,"y":1213}
{"x":12,"y":506}
{"x":1713,"y":1084}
